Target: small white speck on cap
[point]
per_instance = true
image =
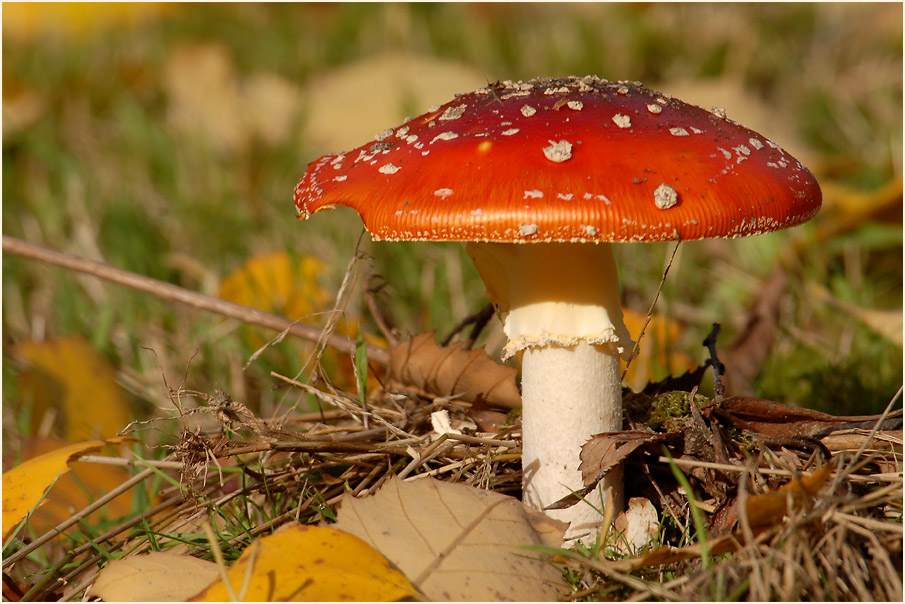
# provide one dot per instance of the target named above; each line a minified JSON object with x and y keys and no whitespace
{"x":622,"y":90}
{"x":678,"y":131}
{"x":526,"y":230}
{"x":340,"y":178}
{"x":402,"y":131}
{"x":718,"y":111}
{"x":623,"y":121}
{"x":575,"y":105}
{"x":591,"y":230}
{"x":697,"y":130}
{"x":454,"y":113}
{"x":566,"y":196}
{"x":533,"y":194}
{"x":433,"y":108}
{"x":388,"y":169}
{"x":756,"y":143}
{"x":528,"y":110}
{"x":560,"y":90}
{"x":444,"y":136}
{"x":665,"y":197}
{"x":509,"y":132}
{"x":654,"y":108}
{"x":725,"y":153}
{"x":558,"y":151}
{"x":411,"y":138}
{"x":443,"y":193}
{"x":383,"y":135}
{"x":477,"y":212}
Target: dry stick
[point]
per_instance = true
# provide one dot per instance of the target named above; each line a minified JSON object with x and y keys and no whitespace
{"x":174,"y":293}
{"x":650,"y":312}
{"x":849,"y":467}
{"x":58,"y":530}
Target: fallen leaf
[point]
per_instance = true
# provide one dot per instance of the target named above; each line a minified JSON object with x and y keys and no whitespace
{"x":279,"y":283}
{"x":311,"y":563}
{"x":605,"y":451}
{"x":845,"y":209}
{"x":78,"y":488}
{"x":25,"y":484}
{"x":422,"y":364}
{"x":776,"y":420}
{"x":271,"y":107}
{"x":209,"y":99}
{"x":769,"y":509}
{"x":153,"y":577}
{"x":457,"y":542}
{"x":68,"y":377}
{"x":397,"y":85}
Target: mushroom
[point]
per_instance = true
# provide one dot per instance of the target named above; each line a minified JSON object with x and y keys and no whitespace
{"x":540,"y":177}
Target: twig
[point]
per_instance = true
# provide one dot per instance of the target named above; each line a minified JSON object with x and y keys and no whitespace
{"x":174,"y":293}
{"x":718,"y":368}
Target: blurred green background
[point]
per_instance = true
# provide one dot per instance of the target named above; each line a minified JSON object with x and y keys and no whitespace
{"x":167,"y":139}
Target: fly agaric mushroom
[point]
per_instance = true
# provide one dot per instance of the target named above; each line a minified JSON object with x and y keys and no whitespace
{"x":540,"y":177}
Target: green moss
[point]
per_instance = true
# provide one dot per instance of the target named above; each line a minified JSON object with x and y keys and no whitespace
{"x":663,"y":411}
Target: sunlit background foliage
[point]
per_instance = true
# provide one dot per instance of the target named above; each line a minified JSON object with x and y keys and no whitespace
{"x":167,"y":139}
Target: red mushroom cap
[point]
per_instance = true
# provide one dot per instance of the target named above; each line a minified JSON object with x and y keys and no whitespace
{"x":573,"y":159}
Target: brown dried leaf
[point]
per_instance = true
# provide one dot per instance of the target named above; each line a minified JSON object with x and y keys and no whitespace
{"x":423,"y":365}
{"x":768,"y":509}
{"x":456,"y":542}
{"x":776,"y":420}
{"x":605,"y":451}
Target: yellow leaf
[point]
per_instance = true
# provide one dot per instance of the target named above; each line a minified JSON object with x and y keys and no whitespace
{"x":279,"y":283}
{"x":76,"y":489}
{"x":24,"y":485}
{"x":658,"y":355}
{"x":67,"y":377}
{"x":311,"y":563}
{"x":154,"y":577}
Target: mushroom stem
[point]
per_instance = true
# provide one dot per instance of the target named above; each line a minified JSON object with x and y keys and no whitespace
{"x":568,"y":395}
{"x":560,"y":305}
